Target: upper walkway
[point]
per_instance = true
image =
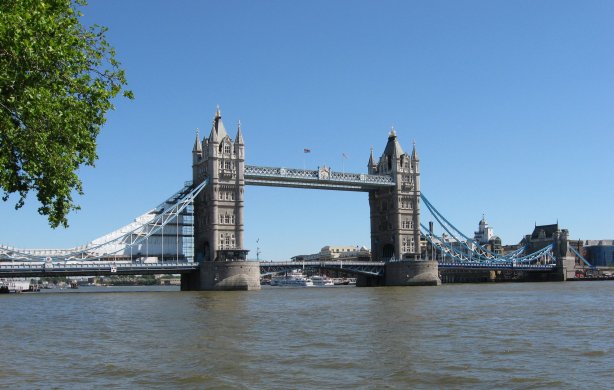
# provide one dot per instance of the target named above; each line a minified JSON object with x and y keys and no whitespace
{"x":323,"y":178}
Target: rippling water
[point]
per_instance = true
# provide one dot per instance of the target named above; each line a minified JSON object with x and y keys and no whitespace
{"x":525,"y":335}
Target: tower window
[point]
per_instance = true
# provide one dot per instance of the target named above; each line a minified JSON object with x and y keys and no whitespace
{"x":227,"y":149}
{"x":405,"y":203}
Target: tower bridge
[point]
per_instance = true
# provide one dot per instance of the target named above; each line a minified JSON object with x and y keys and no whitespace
{"x":392,"y":182}
{"x":198,"y":232}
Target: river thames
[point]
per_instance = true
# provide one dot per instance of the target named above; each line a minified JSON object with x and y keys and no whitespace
{"x":514,"y":335}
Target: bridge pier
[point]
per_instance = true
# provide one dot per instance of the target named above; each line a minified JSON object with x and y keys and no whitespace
{"x":369,"y":281}
{"x":412,"y":273}
{"x":223,"y":276}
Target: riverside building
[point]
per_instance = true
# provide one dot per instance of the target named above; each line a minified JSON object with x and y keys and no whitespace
{"x":329,"y":253}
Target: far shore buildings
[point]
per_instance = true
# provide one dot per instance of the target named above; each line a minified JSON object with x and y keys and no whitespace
{"x":486,"y":238}
{"x":341,"y":253}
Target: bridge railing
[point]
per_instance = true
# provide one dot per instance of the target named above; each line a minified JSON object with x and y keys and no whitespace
{"x":496,"y":265}
{"x":93,"y":265}
{"x":354,"y":267}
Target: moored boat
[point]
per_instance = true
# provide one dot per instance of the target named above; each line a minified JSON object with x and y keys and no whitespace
{"x":321,"y":281}
{"x":296,"y":278}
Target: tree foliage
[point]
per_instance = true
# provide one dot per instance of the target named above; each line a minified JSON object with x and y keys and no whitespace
{"x":57,"y":80}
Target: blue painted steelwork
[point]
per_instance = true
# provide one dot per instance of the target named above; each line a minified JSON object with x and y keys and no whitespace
{"x":499,"y":265}
{"x":483,"y":252}
{"x":476,"y":256}
{"x":458,"y":256}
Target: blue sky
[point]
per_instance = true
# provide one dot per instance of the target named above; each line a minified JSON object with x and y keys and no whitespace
{"x":511,"y":104}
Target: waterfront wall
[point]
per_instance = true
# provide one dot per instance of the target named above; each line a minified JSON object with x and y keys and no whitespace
{"x":485,"y":276}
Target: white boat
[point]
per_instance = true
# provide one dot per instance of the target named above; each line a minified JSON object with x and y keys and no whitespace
{"x":344,"y":281}
{"x":320,"y":281}
{"x":15,"y":285}
{"x":295,"y":278}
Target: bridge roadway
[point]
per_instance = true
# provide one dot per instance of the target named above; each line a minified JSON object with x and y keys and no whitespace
{"x":375,"y":268}
{"x":93,"y":268}
{"x":108,"y":268}
{"x":496,"y":266}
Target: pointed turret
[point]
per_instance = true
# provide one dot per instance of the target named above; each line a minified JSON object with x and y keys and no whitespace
{"x":393,"y":148}
{"x":371,"y":165}
{"x":198,"y":147}
{"x":197,"y":150}
{"x":239,"y":137}
{"x":371,"y":158}
{"x":213,"y":135}
{"x":414,"y":153}
{"x":218,"y":131}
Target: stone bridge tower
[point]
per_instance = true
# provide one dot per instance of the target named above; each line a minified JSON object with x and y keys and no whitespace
{"x":395,"y":211}
{"x":395,"y":219}
{"x":218,"y":213}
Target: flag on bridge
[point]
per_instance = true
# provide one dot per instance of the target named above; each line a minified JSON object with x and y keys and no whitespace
{"x":307,"y":150}
{"x":344,"y":155}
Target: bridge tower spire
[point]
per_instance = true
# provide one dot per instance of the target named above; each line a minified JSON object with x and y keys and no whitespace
{"x":197,"y":153}
{"x":371,"y":166}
